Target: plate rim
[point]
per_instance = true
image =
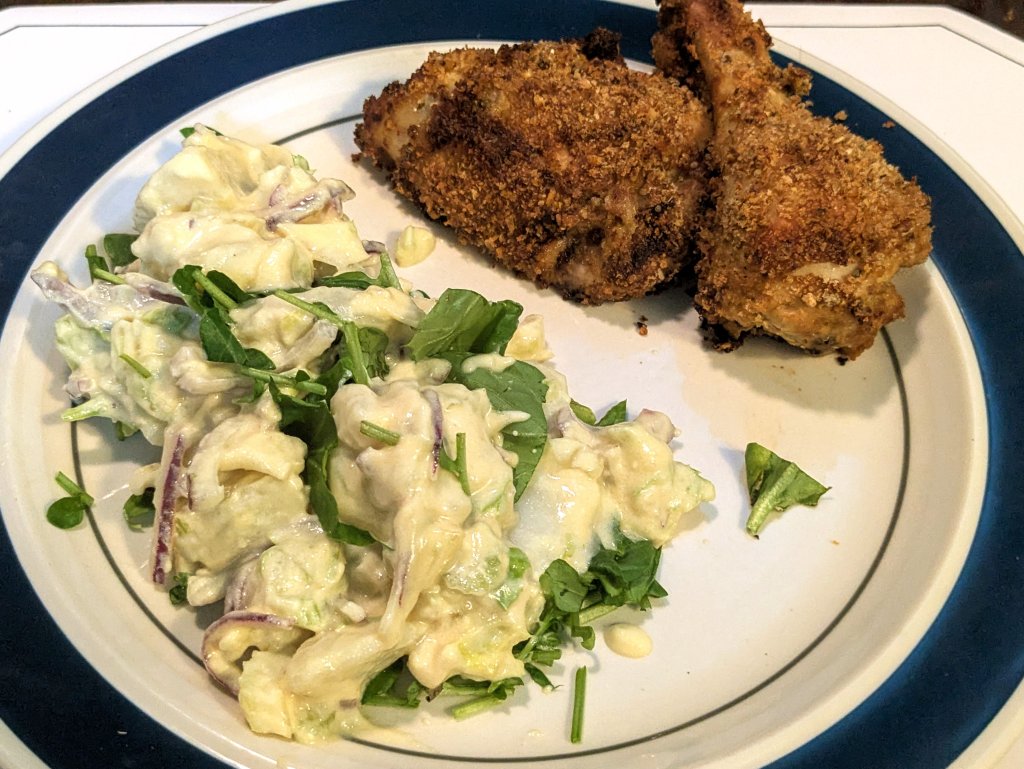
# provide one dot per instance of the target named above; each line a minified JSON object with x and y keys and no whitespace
{"x":1005,"y":217}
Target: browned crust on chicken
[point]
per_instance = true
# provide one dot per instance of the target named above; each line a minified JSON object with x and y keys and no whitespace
{"x":572,"y":171}
{"x":809,"y":223}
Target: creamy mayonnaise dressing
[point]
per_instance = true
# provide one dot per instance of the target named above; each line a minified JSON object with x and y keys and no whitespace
{"x":309,"y":620}
{"x":628,"y":640}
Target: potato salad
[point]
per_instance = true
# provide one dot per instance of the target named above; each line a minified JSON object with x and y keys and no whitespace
{"x":393,"y":497}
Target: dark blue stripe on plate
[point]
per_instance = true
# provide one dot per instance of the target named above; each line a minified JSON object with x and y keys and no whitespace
{"x":922,"y":717}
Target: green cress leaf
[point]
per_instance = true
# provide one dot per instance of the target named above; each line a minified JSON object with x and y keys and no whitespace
{"x":583,"y":413}
{"x":178,"y":594}
{"x":314,"y":425}
{"x":221,"y":346}
{"x":138,"y":509}
{"x":118,"y":247}
{"x":564,"y":586}
{"x":360,"y":349}
{"x":464,"y":321}
{"x":187,"y":131}
{"x":98,"y":267}
{"x":66,"y":512}
{"x":212,"y":296}
{"x":385,"y":688}
{"x":69,"y":511}
{"x":613,"y":416}
{"x":775,"y":484}
{"x":627,"y":573}
{"x":367,"y":353}
{"x":360,"y":281}
{"x":509,"y":590}
{"x":622,"y":575}
{"x":519,"y":387}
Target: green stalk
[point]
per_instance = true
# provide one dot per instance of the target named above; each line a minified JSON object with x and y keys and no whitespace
{"x":378,"y":433}
{"x":211,"y":288}
{"x":578,"y":696}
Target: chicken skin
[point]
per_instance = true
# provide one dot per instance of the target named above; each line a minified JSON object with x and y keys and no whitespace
{"x":808,"y":222}
{"x":565,"y":166}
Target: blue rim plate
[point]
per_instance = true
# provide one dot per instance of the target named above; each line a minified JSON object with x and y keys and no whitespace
{"x":925,"y":715}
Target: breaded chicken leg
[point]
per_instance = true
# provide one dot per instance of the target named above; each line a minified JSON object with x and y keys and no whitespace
{"x":567,"y":167}
{"x":809,"y":222}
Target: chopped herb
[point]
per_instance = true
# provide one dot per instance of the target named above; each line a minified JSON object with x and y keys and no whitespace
{"x":378,"y":433}
{"x":386,"y":688}
{"x":314,"y":425}
{"x":457,"y":466}
{"x":579,"y":693}
{"x":775,"y":484}
{"x":491,"y":694}
{"x":509,"y":590}
{"x":67,"y":512}
{"x":463,"y":321}
{"x":622,"y":575}
{"x":138,"y":509}
{"x":142,"y":371}
{"x":613,"y":416}
{"x":362,"y":363}
{"x":386,"y":277}
{"x":519,"y":387}
{"x":118,"y":247}
{"x":179,"y":591}
{"x":187,"y":131}
{"x":123,"y":430}
{"x":98,"y":267}
{"x":301,"y":381}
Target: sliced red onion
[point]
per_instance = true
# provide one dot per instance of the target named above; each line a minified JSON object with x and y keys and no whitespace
{"x":276,"y":196}
{"x":326,"y":192}
{"x":238,"y":593}
{"x":229,"y":640}
{"x":153,"y":289}
{"x":167,"y":492}
{"x":98,"y":306}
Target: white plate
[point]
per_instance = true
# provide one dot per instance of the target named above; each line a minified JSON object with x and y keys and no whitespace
{"x":803,"y":648}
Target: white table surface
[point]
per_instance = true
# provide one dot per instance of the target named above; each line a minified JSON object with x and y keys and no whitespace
{"x":962,"y":79}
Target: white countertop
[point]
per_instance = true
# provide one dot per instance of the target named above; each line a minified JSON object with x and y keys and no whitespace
{"x":960,"y":78}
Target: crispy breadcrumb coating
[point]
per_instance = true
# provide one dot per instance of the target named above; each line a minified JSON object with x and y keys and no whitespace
{"x":809,"y":222}
{"x":560,"y":162}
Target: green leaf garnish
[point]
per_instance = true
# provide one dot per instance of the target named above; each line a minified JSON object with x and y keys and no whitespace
{"x":775,"y":484}
{"x":457,"y":466}
{"x":118,"y":247}
{"x":378,"y":433}
{"x":141,"y":370}
{"x":363,"y":349}
{"x":393,"y":687}
{"x":138,"y":509}
{"x":519,"y":387}
{"x":386,"y":277}
{"x":179,"y":591}
{"x":463,"y":321}
{"x":188,"y":130}
{"x":67,"y":512}
{"x":579,"y":694}
{"x":98,"y":267}
{"x":314,"y":425}
{"x":613,"y":416}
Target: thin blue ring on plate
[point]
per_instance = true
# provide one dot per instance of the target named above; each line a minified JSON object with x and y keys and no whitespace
{"x":924,"y":715}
